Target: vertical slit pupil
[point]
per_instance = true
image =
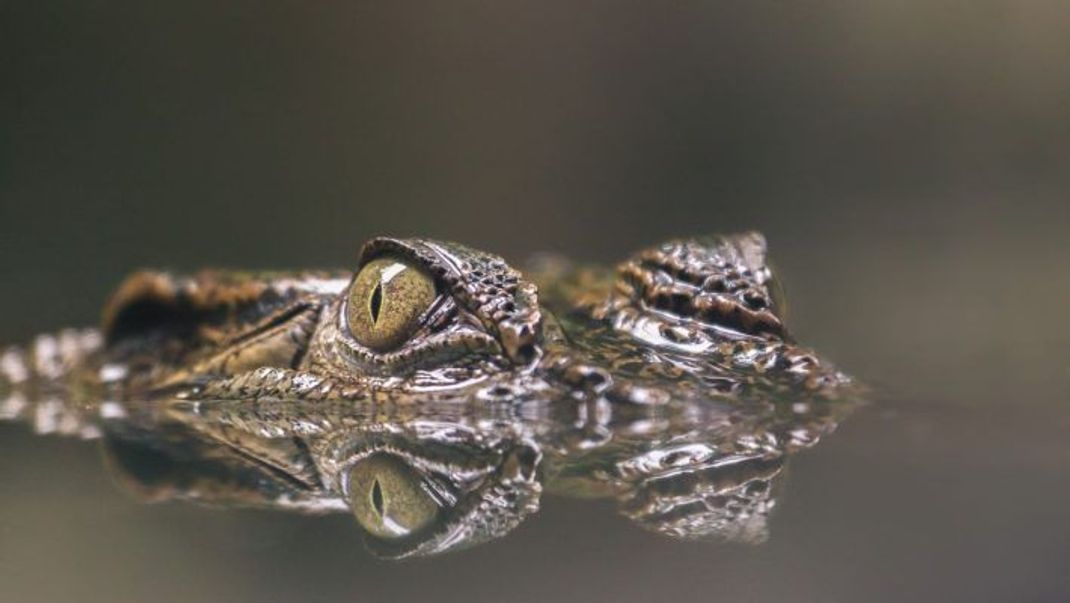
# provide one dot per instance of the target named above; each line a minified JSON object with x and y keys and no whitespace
{"x":376,"y":302}
{"x":377,"y":497}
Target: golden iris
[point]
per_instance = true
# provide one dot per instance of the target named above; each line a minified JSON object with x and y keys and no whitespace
{"x":386,"y":302}
{"x":389,"y":498}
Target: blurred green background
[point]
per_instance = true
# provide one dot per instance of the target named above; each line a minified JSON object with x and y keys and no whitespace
{"x":908,"y":161}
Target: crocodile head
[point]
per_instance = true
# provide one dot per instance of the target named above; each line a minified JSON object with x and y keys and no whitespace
{"x":421,"y":319}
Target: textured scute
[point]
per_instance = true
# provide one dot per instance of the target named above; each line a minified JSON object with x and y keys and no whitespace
{"x":209,"y":302}
{"x":721,"y":281}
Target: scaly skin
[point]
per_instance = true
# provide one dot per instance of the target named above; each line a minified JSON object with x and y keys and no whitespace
{"x":671,"y":385}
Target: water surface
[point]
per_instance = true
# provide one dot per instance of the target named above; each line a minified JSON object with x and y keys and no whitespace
{"x":907,"y":162}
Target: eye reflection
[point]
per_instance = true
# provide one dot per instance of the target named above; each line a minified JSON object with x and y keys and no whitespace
{"x":386,"y":302}
{"x":389,"y":498}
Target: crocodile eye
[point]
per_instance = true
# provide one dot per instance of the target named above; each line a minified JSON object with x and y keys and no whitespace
{"x":389,"y":498}
{"x":387,"y":301}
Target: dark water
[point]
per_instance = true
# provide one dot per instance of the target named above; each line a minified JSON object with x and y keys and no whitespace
{"x":907,"y":162}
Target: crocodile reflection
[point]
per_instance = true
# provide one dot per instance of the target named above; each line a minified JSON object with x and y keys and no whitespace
{"x":429,"y":479}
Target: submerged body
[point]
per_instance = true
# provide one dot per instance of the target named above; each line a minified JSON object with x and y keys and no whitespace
{"x":424,"y":391}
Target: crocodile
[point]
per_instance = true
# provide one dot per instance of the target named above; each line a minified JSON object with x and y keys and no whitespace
{"x":435,"y":391}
